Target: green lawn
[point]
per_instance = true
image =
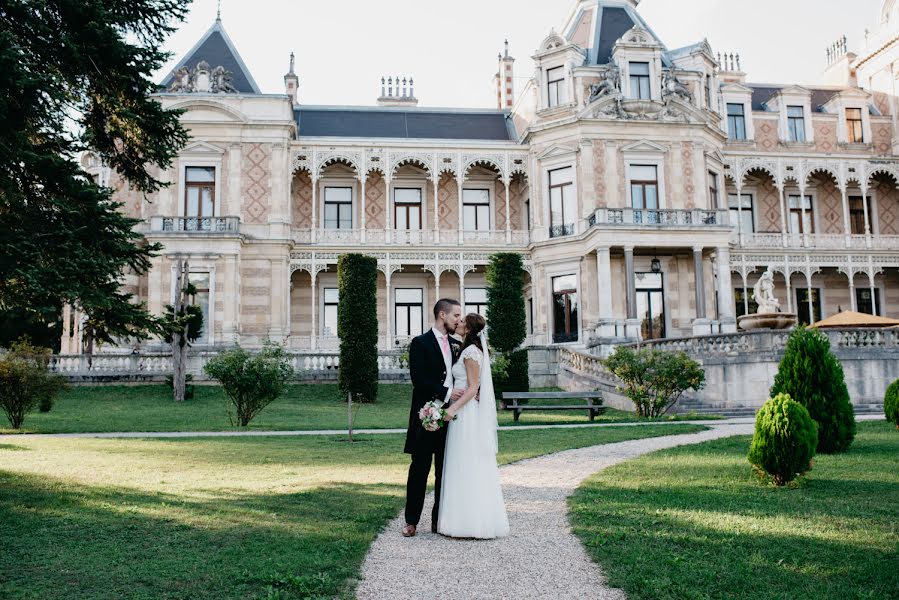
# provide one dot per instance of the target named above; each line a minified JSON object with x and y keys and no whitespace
{"x":221,"y":518}
{"x":151,"y":408}
{"x":694,"y":522}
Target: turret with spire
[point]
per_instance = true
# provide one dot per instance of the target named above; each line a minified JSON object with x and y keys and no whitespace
{"x":291,"y":81}
{"x":504,"y":80}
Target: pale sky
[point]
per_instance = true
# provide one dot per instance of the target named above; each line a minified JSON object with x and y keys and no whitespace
{"x":342,"y":48}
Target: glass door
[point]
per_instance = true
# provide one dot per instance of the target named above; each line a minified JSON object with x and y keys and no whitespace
{"x":650,"y":305}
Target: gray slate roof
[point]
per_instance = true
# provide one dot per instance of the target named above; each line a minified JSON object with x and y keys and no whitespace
{"x":763,"y":93}
{"x":324,"y":121}
{"x":611,"y":24}
{"x":217,"y":49}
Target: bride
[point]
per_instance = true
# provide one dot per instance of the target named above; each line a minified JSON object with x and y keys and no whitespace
{"x":471,"y":500}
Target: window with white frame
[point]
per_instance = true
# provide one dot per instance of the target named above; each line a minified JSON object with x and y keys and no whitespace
{"x":639,"y":80}
{"x":796,"y":123}
{"x":741,"y":209}
{"x":476,"y":300}
{"x":199,"y":191}
{"x":854,"y":127}
{"x":644,"y":182}
{"x":562,"y":202}
{"x":555,"y":86}
{"x":338,"y":207}
{"x":408,"y":311}
{"x":713,"y":190}
{"x":736,"y":121}
{"x":407,"y":208}
{"x":329,"y":313}
{"x":201,"y":283}
{"x":476,"y":209}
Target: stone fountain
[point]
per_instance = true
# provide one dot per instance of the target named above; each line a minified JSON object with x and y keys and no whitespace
{"x":768,"y":315}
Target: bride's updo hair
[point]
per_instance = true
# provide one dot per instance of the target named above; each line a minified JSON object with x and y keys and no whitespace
{"x":474,"y":325}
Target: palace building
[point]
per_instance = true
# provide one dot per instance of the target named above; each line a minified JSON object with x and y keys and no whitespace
{"x":646,"y":187}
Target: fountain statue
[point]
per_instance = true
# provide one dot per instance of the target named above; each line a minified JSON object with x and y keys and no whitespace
{"x":767,"y":315}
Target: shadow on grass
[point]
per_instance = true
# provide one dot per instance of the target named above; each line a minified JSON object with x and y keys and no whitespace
{"x":670,"y":526}
{"x":69,"y":541}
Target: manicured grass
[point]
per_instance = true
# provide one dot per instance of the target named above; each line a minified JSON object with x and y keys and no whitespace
{"x":151,"y":408}
{"x":214,"y":518}
{"x":695,"y":522}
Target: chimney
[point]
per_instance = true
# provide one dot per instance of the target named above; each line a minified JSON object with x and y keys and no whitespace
{"x":839,"y":65}
{"x":729,"y":68}
{"x":291,"y":82}
{"x":396,"y":91}
{"x":504,"y":81}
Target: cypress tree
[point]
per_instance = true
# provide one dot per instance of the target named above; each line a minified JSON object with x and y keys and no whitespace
{"x":357,"y":326}
{"x":506,"y":318}
{"x":811,"y":375}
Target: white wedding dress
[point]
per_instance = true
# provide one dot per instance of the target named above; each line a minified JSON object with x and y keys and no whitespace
{"x":471,"y":499}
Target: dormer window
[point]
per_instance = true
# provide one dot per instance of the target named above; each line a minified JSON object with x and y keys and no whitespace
{"x":736,"y":121}
{"x":854,"y":129}
{"x":555,"y":86}
{"x":639,"y":80}
{"x":796,"y":123}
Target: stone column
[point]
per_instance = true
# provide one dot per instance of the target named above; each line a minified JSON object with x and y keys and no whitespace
{"x":725,"y":291}
{"x":802,"y":209}
{"x":853,"y":301}
{"x":508,"y":217}
{"x":631,"y":283}
{"x":740,"y":232}
{"x":606,"y":322}
{"x":362,"y":181}
{"x":784,"y":230}
{"x":437,"y":210}
{"x":873,"y":288}
{"x":313,"y":337}
{"x":867,"y":217}
{"x":459,"y":181}
{"x":389,"y":341}
{"x":808,"y":296}
{"x":701,"y":325}
{"x":388,"y":204}
{"x":314,"y":232}
{"x":847,"y":229}
{"x":462,"y":287}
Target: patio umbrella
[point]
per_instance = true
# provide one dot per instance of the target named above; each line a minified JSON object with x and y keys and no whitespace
{"x":849,"y":318}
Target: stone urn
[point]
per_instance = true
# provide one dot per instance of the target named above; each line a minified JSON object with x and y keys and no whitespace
{"x":771,"y":320}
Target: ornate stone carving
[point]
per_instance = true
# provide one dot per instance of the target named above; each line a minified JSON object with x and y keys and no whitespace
{"x":672,"y":87}
{"x":202,"y":80}
{"x":608,"y":85}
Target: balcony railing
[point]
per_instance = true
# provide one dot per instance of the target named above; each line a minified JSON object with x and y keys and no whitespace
{"x":229,"y":225}
{"x":410,"y":237}
{"x":634,"y":217}
{"x":823,"y":241}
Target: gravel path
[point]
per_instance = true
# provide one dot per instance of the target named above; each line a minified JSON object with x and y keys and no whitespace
{"x":541,"y":558}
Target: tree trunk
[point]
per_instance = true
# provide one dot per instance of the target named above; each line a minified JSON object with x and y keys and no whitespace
{"x":179,"y":349}
{"x":349,"y":423}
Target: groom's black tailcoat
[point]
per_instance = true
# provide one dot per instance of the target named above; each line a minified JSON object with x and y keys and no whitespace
{"x":428,"y":371}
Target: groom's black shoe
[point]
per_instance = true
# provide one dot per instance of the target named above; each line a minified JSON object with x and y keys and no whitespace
{"x":433,"y":527}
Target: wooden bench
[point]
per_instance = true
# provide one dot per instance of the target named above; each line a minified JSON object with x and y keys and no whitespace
{"x":593,"y":402}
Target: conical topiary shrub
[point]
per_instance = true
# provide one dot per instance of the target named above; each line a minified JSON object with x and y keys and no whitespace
{"x":785,"y":439}
{"x":891,"y":403}
{"x":812,"y":376}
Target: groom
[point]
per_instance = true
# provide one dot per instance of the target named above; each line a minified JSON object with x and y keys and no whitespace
{"x":431,"y":358}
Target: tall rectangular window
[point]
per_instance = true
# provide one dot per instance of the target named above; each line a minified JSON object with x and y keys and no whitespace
{"x":708,"y":92}
{"x":736,"y":121}
{"x":338,"y":208}
{"x":863,"y":301}
{"x":857,"y":214}
{"x":407,"y":208}
{"x":639,"y":79}
{"x":742,"y":299}
{"x":408,"y":311}
{"x":561,"y":202}
{"x":645,"y":193}
{"x":199,"y":191}
{"x":798,"y":224}
{"x":329,"y":314}
{"x":802,"y":307}
{"x":713,"y":190}
{"x":565,"y":309}
{"x":200,"y":281}
{"x":854,"y":129}
{"x":744,"y":208}
{"x":476,"y":210}
{"x":476,"y":301}
{"x":555,"y":81}
{"x":796,"y":123}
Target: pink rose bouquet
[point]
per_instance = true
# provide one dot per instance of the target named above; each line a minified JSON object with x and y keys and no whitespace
{"x":432,"y":415}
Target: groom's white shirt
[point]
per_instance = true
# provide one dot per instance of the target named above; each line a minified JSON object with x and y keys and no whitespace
{"x":447,"y":360}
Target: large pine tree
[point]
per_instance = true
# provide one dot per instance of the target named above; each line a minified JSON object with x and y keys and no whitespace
{"x":77,"y":76}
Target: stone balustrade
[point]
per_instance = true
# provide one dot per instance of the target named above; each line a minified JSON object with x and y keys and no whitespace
{"x":196,"y":225}
{"x":411,"y":237}
{"x":820,"y":241}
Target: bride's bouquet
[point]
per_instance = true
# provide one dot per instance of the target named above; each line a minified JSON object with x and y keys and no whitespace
{"x":432,"y":415}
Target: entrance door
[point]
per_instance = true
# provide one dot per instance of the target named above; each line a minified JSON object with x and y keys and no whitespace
{"x":650,"y":305}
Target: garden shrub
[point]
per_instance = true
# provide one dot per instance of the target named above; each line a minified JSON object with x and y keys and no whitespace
{"x":812,"y":376}
{"x":357,"y":326}
{"x":891,"y":403}
{"x":251,"y":381}
{"x":26,"y":382}
{"x":654,"y":380}
{"x":506,"y":320}
{"x":785,"y":439}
